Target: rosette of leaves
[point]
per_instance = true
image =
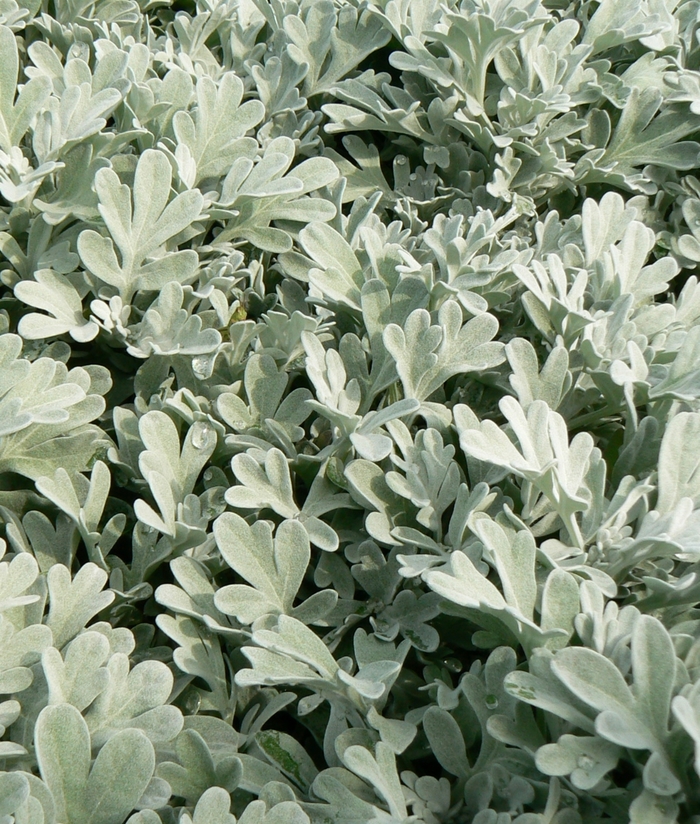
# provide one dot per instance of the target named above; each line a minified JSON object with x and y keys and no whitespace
{"x":47,"y":412}
{"x":140,"y":231}
{"x":349,"y":412}
{"x":258,"y":191}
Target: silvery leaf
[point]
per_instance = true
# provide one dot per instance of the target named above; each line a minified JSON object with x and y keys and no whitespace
{"x":274,"y":569}
{"x":142,"y":231}
{"x":82,"y":791}
{"x":426,"y":356}
{"x":57,"y":295}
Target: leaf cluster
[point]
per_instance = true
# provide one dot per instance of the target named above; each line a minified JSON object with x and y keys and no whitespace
{"x":349,"y":412}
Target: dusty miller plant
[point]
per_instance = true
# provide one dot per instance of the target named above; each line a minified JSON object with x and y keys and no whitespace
{"x":349,"y":412}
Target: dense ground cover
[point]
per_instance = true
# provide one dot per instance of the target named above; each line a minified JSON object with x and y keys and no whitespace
{"x":349,"y":412}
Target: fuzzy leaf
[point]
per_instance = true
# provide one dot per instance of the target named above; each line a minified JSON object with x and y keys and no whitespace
{"x":56,"y":295}
{"x":141,"y":232}
{"x":426,"y":356}
{"x":274,"y":568}
{"x":17,"y":115}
